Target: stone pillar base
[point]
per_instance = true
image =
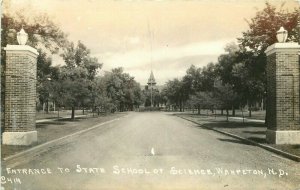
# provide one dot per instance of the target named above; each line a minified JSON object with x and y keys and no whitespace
{"x":283,"y":137}
{"x":19,"y":138}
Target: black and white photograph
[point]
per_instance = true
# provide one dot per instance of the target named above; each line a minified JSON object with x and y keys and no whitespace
{"x":150,"y":95}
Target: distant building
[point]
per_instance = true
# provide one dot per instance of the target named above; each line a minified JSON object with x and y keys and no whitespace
{"x":151,"y":92}
{"x":151,"y":82}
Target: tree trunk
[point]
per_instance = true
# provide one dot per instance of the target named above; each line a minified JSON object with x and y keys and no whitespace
{"x":243,"y":115}
{"x":43,"y":107}
{"x":222,"y":113}
{"x":47,"y":107}
{"x":83,"y":111}
{"x":267,"y":113}
{"x":121,"y":107}
{"x":57,"y":111}
{"x":250,"y":110}
{"x":73,"y":113}
{"x":180,"y":106}
{"x":227,"y":115}
{"x":233,"y":111}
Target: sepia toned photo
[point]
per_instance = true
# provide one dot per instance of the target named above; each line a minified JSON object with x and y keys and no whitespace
{"x":150,"y":94}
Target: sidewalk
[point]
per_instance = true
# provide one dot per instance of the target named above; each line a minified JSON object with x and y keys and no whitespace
{"x":246,"y":119}
{"x":51,"y":129}
{"x":57,"y":119}
{"x":252,"y":130}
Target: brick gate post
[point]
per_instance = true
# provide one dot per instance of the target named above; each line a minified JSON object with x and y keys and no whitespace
{"x":20,"y":95}
{"x":283,"y":93}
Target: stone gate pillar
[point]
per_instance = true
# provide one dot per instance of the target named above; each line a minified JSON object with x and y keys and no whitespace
{"x":283,"y":93}
{"x":20,"y":95}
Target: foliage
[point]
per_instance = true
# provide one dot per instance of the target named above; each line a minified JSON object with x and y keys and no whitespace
{"x":265,"y":24}
{"x":77,"y":83}
{"x":78,"y":76}
{"x":156,"y":97}
{"x":42,"y":32}
{"x":44,"y":35}
{"x":202,"y":99}
{"x":239,"y":76}
{"x":123,"y":90}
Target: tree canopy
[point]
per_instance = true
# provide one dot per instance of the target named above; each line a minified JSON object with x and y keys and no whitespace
{"x":238,"y":78}
{"x":76,"y":84}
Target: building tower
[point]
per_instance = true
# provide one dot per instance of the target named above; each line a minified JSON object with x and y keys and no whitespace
{"x":151,"y":83}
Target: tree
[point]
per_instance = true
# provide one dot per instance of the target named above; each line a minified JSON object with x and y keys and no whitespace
{"x":46,"y":75}
{"x":156,"y":98}
{"x":244,"y":72}
{"x":265,"y":24}
{"x":123,"y":90}
{"x":208,"y":77}
{"x":78,"y":75}
{"x":42,"y":31}
{"x":251,"y":61}
{"x":202,"y":99}
{"x":239,"y":76}
{"x":189,"y":80}
{"x":43,"y":34}
{"x":226,"y":73}
{"x":225,"y":97}
{"x":194,"y":89}
{"x":174,"y":90}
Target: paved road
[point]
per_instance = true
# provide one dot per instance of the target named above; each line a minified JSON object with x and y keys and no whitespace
{"x":155,"y":151}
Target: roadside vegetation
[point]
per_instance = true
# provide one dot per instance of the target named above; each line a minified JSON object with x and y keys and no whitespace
{"x":76,"y":84}
{"x":238,"y":79}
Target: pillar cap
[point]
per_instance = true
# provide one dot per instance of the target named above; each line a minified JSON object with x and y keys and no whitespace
{"x":21,"y":48}
{"x":281,"y":46}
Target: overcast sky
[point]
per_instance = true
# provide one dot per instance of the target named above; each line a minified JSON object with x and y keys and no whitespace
{"x":120,"y":33}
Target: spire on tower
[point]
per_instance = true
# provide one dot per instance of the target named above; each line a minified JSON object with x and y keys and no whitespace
{"x":151,"y":80}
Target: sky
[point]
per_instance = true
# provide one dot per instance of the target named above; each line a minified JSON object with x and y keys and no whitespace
{"x":166,"y":36}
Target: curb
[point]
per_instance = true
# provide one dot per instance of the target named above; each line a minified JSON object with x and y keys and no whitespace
{"x":53,"y":142}
{"x":266,"y":147}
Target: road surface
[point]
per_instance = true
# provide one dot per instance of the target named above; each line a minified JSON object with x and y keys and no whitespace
{"x":153,"y":151}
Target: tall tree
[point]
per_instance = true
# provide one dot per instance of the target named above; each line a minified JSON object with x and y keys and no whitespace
{"x":225,"y":97}
{"x":263,"y":27}
{"x":78,"y":75}
{"x":251,"y":58}
{"x":174,"y":90}
{"x":123,"y":90}
{"x":43,"y":34}
{"x":202,"y":100}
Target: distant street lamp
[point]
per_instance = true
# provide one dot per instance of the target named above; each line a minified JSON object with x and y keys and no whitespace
{"x":22,"y":37}
{"x":281,"y":35}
